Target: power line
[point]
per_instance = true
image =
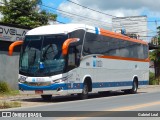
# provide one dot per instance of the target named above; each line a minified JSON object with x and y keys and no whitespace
{"x":84,"y":18}
{"x":130,"y":26}
{"x":60,"y":22}
{"x":47,"y":6}
{"x":90,"y":8}
{"x":72,"y":13}
{"x":154,"y":21}
{"x":126,"y":26}
{"x":87,"y":20}
{"x":66,"y":13}
{"x":105,"y":13}
{"x":147,"y":36}
{"x":144,"y":32}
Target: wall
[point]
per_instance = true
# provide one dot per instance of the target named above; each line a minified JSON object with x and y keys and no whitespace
{"x":9,"y":64}
{"x":9,"y":68}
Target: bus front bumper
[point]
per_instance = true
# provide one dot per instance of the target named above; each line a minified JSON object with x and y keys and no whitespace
{"x":54,"y":89}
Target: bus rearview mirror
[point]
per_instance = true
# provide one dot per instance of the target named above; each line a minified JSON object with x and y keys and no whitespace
{"x":13,"y":45}
{"x":66,"y":44}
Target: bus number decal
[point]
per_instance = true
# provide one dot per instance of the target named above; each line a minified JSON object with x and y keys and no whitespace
{"x":97,"y":63}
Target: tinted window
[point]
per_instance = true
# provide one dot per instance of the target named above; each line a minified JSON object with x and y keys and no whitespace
{"x":98,"y":44}
{"x":42,"y":55}
{"x":78,"y":34}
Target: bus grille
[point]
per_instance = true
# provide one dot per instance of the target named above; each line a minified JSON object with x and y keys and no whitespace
{"x":38,"y":83}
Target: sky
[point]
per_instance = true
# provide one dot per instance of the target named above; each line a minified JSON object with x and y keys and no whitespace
{"x":72,"y":13}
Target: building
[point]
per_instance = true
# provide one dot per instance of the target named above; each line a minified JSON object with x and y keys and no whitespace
{"x":9,"y":64}
{"x":135,"y":26}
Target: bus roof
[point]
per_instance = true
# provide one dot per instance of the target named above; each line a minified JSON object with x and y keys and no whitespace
{"x":67,"y":28}
{"x":56,"y":29}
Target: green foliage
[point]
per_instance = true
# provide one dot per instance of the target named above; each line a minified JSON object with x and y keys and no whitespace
{"x":6,"y":91}
{"x":152,"y":80}
{"x":25,"y":13}
{"x":158,"y":28}
{"x":155,"y":54}
{"x":155,"y":57}
{"x":4,"y":88}
{"x":13,"y":93}
{"x":152,"y":55}
{"x":151,"y":76}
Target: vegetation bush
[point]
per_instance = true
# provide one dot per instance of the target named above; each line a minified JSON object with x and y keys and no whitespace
{"x":152,"y":80}
{"x":4,"y":88}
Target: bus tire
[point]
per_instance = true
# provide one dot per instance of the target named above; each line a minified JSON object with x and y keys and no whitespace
{"x":46,"y":97}
{"x":84,"y":94}
{"x":134,"y":88}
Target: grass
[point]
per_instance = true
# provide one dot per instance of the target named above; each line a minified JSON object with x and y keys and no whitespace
{"x":10,"y":93}
{"x":4,"y":88}
{"x":4,"y":104}
{"x":6,"y":91}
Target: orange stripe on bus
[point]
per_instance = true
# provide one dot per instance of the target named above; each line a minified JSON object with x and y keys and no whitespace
{"x":120,"y":36}
{"x":12,"y":46}
{"x":124,"y":58}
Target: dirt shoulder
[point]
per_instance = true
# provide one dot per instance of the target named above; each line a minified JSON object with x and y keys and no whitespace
{"x":35,"y":100}
{"x":150,"y":88}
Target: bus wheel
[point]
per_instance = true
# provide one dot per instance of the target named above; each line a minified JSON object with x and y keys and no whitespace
{"x":84,"y":94}
{"x":134,"y":88}
{"x":46,"y":97}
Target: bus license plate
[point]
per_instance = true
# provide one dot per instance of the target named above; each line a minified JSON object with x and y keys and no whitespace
{"x":38,"y":91}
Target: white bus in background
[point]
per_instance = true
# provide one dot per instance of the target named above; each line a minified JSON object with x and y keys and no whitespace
{"x":79,"y":59}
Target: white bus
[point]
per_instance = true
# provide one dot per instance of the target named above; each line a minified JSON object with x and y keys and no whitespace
{"x":79,"y":59}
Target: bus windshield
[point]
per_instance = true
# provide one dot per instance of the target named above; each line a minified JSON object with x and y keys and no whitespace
{"x":42,"y":55}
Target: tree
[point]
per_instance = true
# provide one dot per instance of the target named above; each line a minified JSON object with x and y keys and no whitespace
{"x":158,"y":34}
{"x":25,"y":13}
{"x":155,"y":55}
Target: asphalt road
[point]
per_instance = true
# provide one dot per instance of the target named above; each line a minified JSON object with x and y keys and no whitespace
{"x":142,"y":101}
{"x":114,"y":101}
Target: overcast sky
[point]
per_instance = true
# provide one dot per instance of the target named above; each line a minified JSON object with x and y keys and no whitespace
{"x":124,"y":4}
{"x":118,"y":8}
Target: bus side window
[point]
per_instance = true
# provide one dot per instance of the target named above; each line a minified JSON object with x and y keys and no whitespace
{"x":71,"y":58}
{"x":78,"y":55}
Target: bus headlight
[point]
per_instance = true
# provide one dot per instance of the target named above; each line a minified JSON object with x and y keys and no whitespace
{"x":59,"y":80}
{"x":22,"y":79}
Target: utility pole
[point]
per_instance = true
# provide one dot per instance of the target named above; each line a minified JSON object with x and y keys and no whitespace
{"x":157,"y":69}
